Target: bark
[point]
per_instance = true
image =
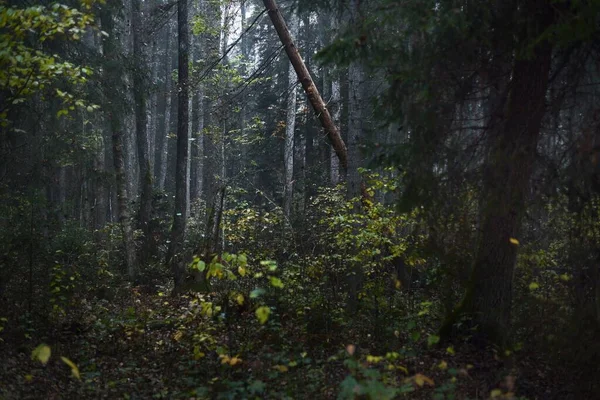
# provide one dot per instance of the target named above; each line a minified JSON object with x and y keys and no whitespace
{"x":506,"y":184}
{"x":336,"y":103}
{"x":113,"y":71}
{"x":179,"y":219}
{"x":188,"y":165}
{"x":197,"y":173}
{"x":290,"y":127}
{"x":141,"y":119}
{"x":164,"y":142}
{"x":331,"y":130}
{"x":355,"y":132}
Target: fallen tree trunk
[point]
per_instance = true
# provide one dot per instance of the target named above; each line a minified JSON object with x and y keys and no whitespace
{"x":314,"y":97}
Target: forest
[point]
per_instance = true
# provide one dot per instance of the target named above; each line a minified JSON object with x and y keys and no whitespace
{"x":327,"y":199}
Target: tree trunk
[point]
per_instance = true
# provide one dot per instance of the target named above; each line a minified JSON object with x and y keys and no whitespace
{"x":179,"y":218}
{"x":113,"y":73}
{"x":164,"y":143}
{"x":336,"y":106}
{"x":197,"y":173}
{"x":331,"y":130}
{"x":290,"y":127}
{"x":141,"y":119}
{"x":506,"y":179}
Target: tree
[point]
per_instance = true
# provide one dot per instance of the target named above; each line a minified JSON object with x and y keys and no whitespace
{"x":113,"y":83}
{"x":141,"y":120}
{"x":290,"y":127}
{"x":174,"y":256}
{"x":305,"y":79}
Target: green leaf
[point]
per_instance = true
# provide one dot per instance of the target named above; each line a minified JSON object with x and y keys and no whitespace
{"x":256,"y":293}
{"x":276,"y":282}
{"x":74,"y":368}
{"x":41,"y":353}
{"x":534,"y":286}
{"x":262,"y":313}
{"x":433,"y":339}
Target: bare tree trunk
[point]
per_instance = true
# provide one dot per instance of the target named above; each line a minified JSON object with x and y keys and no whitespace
{"x":336,"y":106}
{"x":331,"y":130}
{"x":179,"y":219}
{"x":197,"y":139}
{"x":164,"y":143}
{"x":141,"y":119}
{"x":355,"y":100}
{"x":113,"y":73}
{"x":290,"y":127}
{"x":188,"y":165}
{"x":507,"y":173}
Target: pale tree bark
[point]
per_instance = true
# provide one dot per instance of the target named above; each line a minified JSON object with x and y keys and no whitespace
{"x":331,"y":130}
{"x":174,"y":256}
{"x":164,"y":142}
{"x":188,"y":165}
{"x":197,"y":143}
{"x":152,"y":110}
{"x":333,"y":96}
{"x":290,"y":128}
{"x":243,"y":73}
{"x":336,"y":107}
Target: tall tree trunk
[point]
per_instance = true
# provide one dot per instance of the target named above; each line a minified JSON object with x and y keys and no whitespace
{"x":197,"y":143}
{"x":174,"y":256}
{"x":188,"y":165}
{"x":141,"y":119}
{"x":506,"y":183}
{"x":164,"y":142}
{"x":331,"y":130}
{"x":113,"y":73}
{"x":336,"y":107}
{"x":290,"y":128}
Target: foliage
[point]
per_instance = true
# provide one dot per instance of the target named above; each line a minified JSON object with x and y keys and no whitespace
{"x":26,"y":68}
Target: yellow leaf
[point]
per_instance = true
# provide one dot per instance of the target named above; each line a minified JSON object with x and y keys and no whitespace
{"x":41,"y":353}
{"x":514,"y":241}
{"x":240,"y":299}
{"x":421,"y":380}
{"x":495,"y":393}
{"x":74,"y":369}
{"x":177,"y":336}
{"x":281,"y":368}
{"x":398,"y":284}
{"x":443,"y":365}
{"x":235,"y":361}
{"x":534,"y":286}
{"x":242,"y":271}
{"x":450,"y":350}
{"x":262,"y":313}
{"x":28,"y":378}
{"x":374,"y":359}
{"x":565,"y":277}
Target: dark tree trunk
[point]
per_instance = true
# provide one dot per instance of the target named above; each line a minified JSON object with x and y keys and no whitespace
{"x":113,"y":73}
{"x":174,"y":257}
{"x":141,"y":119}
{"x":506,"y":182}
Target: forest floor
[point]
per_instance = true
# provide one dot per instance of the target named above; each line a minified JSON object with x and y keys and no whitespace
{"x":145,"y":344}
